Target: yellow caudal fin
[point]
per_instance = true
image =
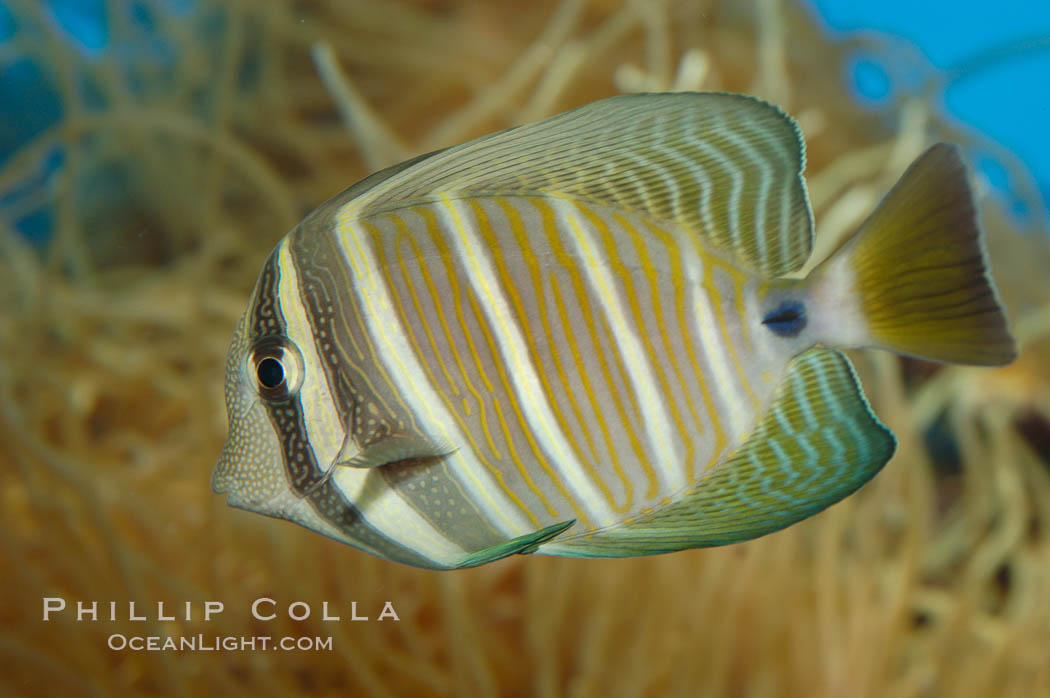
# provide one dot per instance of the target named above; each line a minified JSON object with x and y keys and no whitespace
{"x":914,"y":278}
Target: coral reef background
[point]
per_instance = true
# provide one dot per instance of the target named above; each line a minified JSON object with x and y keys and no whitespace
{"x":132,"y":227}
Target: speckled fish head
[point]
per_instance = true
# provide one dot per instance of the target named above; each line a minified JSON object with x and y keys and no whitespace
{"x":264,"y":377}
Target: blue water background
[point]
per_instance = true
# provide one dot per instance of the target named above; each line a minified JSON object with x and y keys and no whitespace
{"x":994,"y":58}
{"x":995,"y":62}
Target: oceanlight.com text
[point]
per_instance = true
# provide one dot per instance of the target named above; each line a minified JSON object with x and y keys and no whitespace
{"x":217,"y":643}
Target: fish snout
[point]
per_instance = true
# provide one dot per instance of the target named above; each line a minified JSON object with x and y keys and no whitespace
{"x":250,"y":470}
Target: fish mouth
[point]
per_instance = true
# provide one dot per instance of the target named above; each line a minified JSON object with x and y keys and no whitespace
{"x":219,"y":480}
{"x":223,"y":480}
{"x":250,"y":467}
{"x":232,"y":500}
{"x":221,"y":484}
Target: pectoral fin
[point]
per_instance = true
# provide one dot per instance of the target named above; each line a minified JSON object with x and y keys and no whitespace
{"x":817,"y":443}
{"x":522,"y":544}
{"x":391,"y":449}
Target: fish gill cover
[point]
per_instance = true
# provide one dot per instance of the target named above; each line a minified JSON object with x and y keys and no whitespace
{"x":151,"y":153}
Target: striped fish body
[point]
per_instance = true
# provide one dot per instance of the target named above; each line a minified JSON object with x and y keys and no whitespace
{"x":587,"y":348}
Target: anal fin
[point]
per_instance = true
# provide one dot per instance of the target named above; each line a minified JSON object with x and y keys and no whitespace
{"x":817,"y":443}
{"x":522,"y":544}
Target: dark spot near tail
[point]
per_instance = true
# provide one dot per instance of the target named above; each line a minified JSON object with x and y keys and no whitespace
{"x":942,"y":449}
{"x":915,"y":372}
{"x":942,"y":446}
{"x":1035,"y":430}
{"x":787,"y":320}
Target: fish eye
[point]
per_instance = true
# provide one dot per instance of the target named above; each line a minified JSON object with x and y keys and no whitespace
{"x":278,"y":368}
{"x":270,"y":372}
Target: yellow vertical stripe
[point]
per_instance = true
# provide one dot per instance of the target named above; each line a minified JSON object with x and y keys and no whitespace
{"x":375,"y":299}
{"x":447,"y":257}
{"x":717,"y":299}
{"x":680,"y":283}
{"x":510,"y":289}
{"x":404,"y":237}
{"x":634,"y":351}
{"x":430,"y":222}
{"x":657,"y":298}
{"x":563,"y":258}
{"x":531,"y":261}
{"x":524,"y":386}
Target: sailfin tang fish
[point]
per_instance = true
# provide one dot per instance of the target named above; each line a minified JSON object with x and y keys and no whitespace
{"x":583,"y":337}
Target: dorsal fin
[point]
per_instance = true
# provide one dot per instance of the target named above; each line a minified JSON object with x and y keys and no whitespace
{"x":728,"y":167}
{"x":817,"y":443}
{"x":363,"y":186}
